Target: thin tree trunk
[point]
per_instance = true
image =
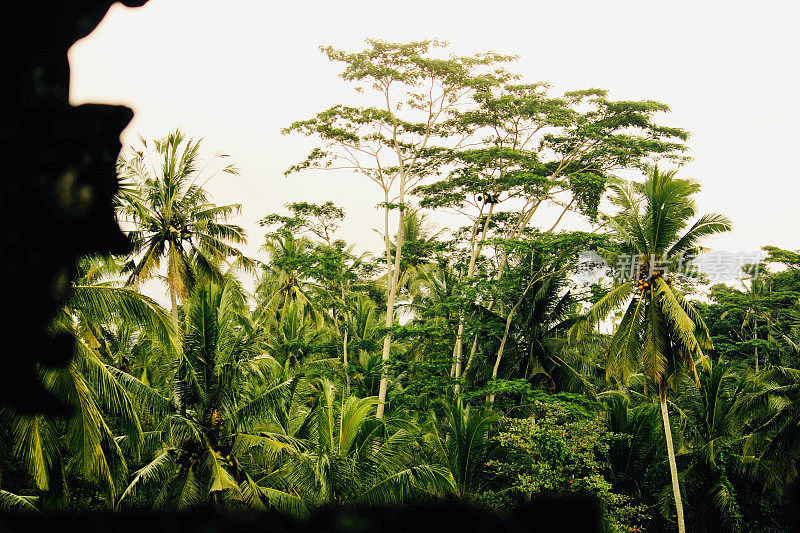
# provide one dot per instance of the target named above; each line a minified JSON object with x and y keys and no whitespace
{"x":516,"y":232}
{"x":172,"y":280}
{"x":394,"y":277}
{"x":455,"y":369}
{"x":502,"y":266}
{"x":474,"y":349}
{"x":389,"y":322}
{"x":673,"y":467}
{"x":471,"y":356}
{"x":344,"y":361}
{"x":387,"y":341}
{"x":509,"y":319}
{"x":387,"y":345}
{"x":490,"y":396}
{"x":344,"y":338}
{"x":173,"y":297}
{"x":755,"y":325}
{"x":458,"y":350}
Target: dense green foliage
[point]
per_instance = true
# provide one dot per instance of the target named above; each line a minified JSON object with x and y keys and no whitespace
{"x":470,"y":365}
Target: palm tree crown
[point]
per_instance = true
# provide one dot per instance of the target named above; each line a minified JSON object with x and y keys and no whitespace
{"x":173,"y":216}
{"x":660,"y":329}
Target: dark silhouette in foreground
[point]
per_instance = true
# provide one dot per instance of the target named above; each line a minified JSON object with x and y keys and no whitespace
{"x":574,"y":514}
{"x":55,"y":197}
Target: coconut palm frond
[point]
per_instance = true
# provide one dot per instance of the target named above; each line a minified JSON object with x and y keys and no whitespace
{"x":13,"y":503}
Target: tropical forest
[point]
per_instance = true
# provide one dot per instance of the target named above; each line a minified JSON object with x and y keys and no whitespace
{"x":557,"y":336}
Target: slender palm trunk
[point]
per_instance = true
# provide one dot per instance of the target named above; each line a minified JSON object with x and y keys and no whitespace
{"x":172,"y":283}
{"x":755,"y":325}
{"x":173,"y":297}
{"x":673,"y":467}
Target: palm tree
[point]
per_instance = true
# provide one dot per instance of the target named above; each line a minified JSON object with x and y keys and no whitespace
{"x":126,"y":328}
{"x":432,"y":293}
{"x":714,"y":419}
{"x":362,"y":355}
{"x":355,"y":458}
{"x":536,"y":276}
{"x":89,"y":384}
{"x":788,"y":337}
{"x":538,"y":332}
{"x":284,"y":280}
{"x":14,"y":503}
{"x":293,"y":337}
{"x":173,"y":217}
{"x":466,"y":447}
{"x":339,"y":271}
{"x":209,"y":427}
{"x":660,"y":329}
{"x":640,"y":422}
{"x":752,"y":313}
{"x":420,"y":244}
{"x":751,"y":306}
{"x":400,"y":271}
{"x":433,"y":302}
{"x":773,"y":443}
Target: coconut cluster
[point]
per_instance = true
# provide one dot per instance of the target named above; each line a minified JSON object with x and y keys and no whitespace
{"x":645,"y":283}
{"x":216,"y":418}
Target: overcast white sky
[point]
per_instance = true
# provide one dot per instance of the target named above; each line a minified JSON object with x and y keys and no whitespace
{"x":237,"y":71}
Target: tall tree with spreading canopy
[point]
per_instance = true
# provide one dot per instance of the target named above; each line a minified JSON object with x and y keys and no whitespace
{"x":404,"y":137}
{"x":660,"y":330}
{"x":530,"y":151}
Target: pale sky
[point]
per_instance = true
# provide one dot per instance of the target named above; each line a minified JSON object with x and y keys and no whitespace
{"x":236,"y":72}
